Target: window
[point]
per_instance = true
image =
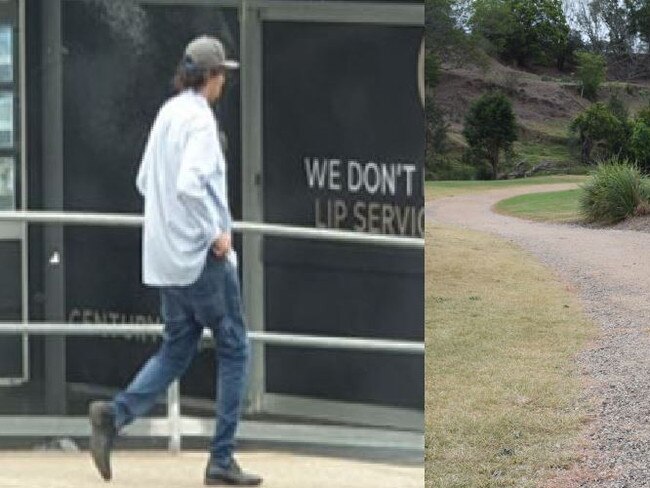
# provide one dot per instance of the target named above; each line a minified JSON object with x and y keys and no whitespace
{"x":8,"y":135}
{"x":6,"y":55}
{"x":6,"y":119}
{"x":7,"y":183}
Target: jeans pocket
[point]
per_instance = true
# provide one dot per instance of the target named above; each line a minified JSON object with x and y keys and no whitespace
{"x":209,"y":293}
{"x":233,"y":293}
{"x":211,"y":278}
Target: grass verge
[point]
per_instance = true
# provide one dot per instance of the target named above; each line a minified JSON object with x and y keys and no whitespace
{"x":502,"y":390}
{"x":557,"y":206}
{"x":441,"y":189}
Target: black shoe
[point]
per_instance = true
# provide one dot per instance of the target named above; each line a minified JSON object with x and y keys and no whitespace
{"x":102,"y":420}
{"x":233,"y":475}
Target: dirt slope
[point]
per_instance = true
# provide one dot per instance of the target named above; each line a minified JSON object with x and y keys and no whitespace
{"x":543,"y":108}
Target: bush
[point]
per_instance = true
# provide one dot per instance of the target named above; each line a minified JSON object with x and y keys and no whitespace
{"x":644,"y":115}
{"x":615,"y":191}
{"x":640,"y":143}
{"x":598,"y":128}
{"x":591,"y":72}
{"x":618,"y":108}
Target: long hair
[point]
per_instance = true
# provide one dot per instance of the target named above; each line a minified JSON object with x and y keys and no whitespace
{"x":189,"y":75}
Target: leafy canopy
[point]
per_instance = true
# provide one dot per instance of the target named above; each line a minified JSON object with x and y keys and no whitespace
{"x":490,"y":127}
{"x":523,"y":30}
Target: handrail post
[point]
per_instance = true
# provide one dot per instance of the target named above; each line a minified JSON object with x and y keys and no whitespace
{"x":174,"y":416}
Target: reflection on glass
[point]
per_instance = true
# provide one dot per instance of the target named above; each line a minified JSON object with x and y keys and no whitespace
{"x":6,"y":183}
{"x":6,"y":119}
{"x":6,"y":54}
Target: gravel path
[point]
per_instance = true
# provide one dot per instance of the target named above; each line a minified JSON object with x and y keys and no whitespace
{"x":611,"y":271}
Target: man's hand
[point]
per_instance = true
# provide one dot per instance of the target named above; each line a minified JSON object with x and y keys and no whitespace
{"x":222,"y":245}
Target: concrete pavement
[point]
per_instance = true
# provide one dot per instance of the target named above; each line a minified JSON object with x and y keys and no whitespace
{"x":29,"y":469}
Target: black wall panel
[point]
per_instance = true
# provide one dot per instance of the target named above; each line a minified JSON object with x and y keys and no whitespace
{"x":344,"y":98}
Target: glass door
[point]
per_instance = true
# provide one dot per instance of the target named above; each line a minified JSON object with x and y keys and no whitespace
{"x":13,"y":349}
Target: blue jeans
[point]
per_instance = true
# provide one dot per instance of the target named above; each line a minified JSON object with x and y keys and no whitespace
{"x":213,"y":301}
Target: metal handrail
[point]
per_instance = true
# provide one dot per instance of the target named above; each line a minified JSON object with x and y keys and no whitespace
{"x":125,"y":220}
{"x":276,"y":230}
{"x":273,"y":338}
{"x":294,"y":340}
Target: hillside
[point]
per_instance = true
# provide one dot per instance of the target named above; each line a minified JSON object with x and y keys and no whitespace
{"x":544,"y":104}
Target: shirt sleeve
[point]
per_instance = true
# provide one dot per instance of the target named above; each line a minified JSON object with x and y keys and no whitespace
{"x":143,"y":172}
{"x":200,"y":164}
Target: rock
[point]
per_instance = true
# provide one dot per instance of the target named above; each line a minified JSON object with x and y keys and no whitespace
{"x":542,"y":166}
{"x":519,"y":171}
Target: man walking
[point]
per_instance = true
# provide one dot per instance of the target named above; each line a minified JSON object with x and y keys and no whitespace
{"x":187,"y":254}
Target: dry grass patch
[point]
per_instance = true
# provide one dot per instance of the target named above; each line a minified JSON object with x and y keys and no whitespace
{"x":502,"y":389}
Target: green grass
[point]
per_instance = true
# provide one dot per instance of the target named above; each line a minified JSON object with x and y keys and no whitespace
{"x":536,"y":152}
{"x":559,"y":206}
{"x":502,"y":389}
{"x":441,"y":189}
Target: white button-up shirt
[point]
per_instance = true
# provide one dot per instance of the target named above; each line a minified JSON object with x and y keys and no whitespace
{"x":182,"y":178}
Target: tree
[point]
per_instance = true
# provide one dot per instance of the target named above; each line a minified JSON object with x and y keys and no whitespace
{"x":567,"y":55}
{"x":431,"y":69}
{"x":587,"y":15}
{"x":639,"y":18}
{"x":607,"y":24}
{"x":523,"y":30}
{"x":615,"y":17}
{"x":493,"y":23}
{"x":490,"y":128}
{"x":640,"y":137}
{"x":640,"y":143}
{"x":591,"y":72}
{"x":444,"y":31}
{"x":597,"y":126}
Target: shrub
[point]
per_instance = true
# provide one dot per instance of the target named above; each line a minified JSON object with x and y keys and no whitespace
{"x":618,"y":108}
{"x":591,"y":72}
{"x":615,"y":191}
{"x":644,"y":115}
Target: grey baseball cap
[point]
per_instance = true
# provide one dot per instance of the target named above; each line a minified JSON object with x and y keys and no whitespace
{"x":208,"y":53}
